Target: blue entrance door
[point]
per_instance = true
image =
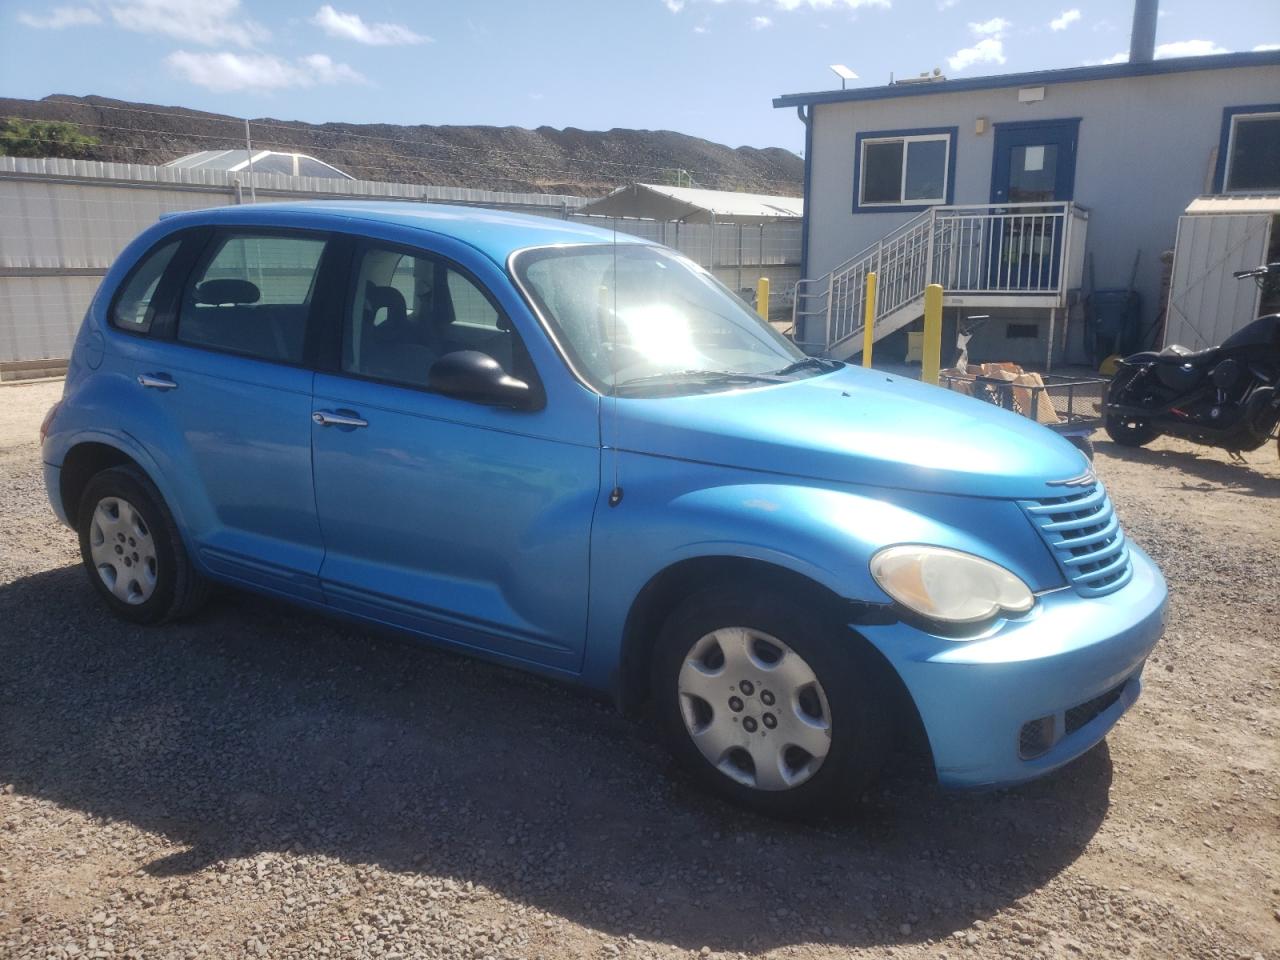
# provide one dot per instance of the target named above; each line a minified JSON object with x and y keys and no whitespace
{"x":1034,"y":164}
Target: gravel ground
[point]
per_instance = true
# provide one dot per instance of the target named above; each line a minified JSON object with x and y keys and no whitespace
{"x":265,"y":783}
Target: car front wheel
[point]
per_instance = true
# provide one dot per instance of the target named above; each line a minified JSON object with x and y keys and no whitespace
{"x":769,"y":702}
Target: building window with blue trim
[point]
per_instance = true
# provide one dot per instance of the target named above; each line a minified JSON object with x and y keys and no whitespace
{"x":1252,"y":150}
{"x":903,"y":169}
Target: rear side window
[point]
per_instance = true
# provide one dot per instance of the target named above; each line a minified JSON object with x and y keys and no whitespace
{"x":252,"y":296}
{"x":134,"y":309}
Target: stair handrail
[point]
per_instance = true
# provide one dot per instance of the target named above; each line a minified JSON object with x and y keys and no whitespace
{"x":871,"y":247}
{"x":904,"y":259}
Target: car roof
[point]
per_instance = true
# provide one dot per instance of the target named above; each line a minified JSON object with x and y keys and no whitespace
{"x":495,"y":233}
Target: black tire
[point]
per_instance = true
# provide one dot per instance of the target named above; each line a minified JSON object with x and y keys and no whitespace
{"x":178,"y":590}
{"x":1127,"y":431}
{"x":849,"y":674}
{"x":1083,"y":444}
{"x":1130,"y":431}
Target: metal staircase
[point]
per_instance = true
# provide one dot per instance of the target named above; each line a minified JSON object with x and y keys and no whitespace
{"x":1019,"y":254}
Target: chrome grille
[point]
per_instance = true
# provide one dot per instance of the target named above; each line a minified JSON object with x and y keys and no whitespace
{"x":1082,"y":531}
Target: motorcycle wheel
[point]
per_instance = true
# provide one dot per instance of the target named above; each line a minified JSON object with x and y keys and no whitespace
{"x":1127,"y":431}
{"x":1130,"y":431}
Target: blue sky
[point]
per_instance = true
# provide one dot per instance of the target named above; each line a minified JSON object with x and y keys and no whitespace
{"x":704,"y":67}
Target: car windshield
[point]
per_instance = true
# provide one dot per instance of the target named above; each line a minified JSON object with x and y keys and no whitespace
{"x":642,"y":320}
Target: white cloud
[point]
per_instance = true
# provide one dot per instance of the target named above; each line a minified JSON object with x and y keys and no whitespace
{"x":947,"y":4}
{"x":1266,"y":46}
{"x":206,"y":22}
{"x":1064,"y":19}
{"x":60,"y":18}
{"x":1188,"y":48}
{"x":226,"y":71}
{"x":350,"y":26}
{"x":995,"y":27}
{"x":990,"y":50}
{"x":323,"y":69}
{"x":675,"y":6}
{"x":701,"y":29}
{"x":760,"y":23}
{"x":1179,"y":48}
{"x":989,"y":47}
{"x":827,"y":4}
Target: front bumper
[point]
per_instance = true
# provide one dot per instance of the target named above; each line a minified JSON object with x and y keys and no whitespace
{"x":974,"y":697}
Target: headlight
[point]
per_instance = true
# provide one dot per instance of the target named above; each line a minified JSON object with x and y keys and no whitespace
{"x":948,"y":585}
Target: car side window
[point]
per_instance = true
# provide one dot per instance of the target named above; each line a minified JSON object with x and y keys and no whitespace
{"x":470,"y":307}
{"x":410,"y":309}
{"x":133,"y":308}
{"x":252,"y":296}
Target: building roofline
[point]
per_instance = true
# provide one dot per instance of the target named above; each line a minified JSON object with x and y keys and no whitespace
{"x":1109,"y":71}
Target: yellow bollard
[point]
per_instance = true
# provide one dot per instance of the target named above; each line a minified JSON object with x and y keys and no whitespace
{"x":931,"y":361}
{"x":869,"y":320}
{"x":762,"y":298}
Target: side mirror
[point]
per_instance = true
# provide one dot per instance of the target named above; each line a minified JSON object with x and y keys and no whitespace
{"x":475,"y":376}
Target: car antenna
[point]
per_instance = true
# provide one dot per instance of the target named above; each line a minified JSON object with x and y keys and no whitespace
{"x":615,"y":495}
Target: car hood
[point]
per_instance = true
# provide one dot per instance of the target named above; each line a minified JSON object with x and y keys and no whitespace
{"x":856,"y":426}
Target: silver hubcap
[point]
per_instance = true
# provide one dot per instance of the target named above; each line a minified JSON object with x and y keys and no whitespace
{"x":754,"y":708}
{"x":122,"y":549}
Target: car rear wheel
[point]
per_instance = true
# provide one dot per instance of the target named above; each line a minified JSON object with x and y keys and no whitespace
{"x":769,"y":703}
{"x":132,"y":550}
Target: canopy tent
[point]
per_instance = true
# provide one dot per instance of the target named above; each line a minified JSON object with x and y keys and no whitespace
{"x":652,"y":201}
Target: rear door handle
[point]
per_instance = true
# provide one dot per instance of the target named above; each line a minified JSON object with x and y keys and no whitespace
{"x":157,"y":381}
{"x":338,"y":418}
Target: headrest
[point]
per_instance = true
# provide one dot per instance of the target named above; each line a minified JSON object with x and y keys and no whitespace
{"x":231,"y":290}
{"x":377,"y":297}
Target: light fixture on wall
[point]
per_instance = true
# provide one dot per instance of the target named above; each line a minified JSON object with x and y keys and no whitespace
{"x":844,"y":73}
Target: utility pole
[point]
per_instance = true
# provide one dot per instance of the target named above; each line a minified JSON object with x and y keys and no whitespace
{"x":248,"y":146}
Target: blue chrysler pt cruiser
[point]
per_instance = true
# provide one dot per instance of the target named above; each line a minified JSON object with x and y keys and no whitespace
{"x":580,"y":454}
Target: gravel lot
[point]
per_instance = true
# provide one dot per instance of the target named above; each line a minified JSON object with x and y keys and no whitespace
{"x":265,"y":783}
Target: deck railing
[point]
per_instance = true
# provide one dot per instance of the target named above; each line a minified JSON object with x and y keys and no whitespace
{"x":1012,"y":249}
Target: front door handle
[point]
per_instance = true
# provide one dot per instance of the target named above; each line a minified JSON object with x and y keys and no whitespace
{"x":338,"y":418}
{"x":157,"y":381}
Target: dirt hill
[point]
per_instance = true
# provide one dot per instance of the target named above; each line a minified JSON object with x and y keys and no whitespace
{"x":544,"y":160}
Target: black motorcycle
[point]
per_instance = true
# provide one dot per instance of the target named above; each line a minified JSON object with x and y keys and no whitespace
{"x":1227,"y":396}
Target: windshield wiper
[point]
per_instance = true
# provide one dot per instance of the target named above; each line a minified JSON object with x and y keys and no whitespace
{"x":817,"y":363}
{"x":697,"y":376}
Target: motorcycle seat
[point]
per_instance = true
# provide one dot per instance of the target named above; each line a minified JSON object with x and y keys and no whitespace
{"x":1177,"y":353}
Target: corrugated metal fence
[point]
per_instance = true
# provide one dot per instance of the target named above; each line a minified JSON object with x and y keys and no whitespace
{"x":63,"y":222}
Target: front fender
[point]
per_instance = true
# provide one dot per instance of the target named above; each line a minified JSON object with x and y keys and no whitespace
{"x":673,"y":511}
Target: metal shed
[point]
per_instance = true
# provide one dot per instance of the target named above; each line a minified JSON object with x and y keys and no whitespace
{"x":261,"y":161}
{"x":653,"y":201}
{"x":1217,"y":235}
